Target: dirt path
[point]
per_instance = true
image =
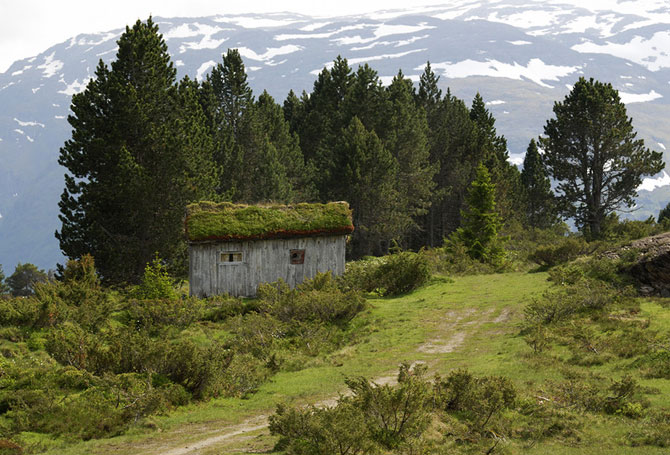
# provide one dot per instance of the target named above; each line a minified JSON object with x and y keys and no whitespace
{"x":452,"y":332}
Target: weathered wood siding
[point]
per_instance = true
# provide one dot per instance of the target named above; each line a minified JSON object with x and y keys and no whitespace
{"x":263,"y":261}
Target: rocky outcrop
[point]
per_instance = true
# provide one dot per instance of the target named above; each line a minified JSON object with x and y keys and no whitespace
{"x":652,"y":267}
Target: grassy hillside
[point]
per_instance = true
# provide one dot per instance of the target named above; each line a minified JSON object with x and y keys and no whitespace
{"x":471,"y":322}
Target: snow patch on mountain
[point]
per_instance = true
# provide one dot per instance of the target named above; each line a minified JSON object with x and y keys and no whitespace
{"x":192,"y":30}
{"x":386,"y":80}
{"x":314,"y":26}
{"x":388,"y":29}
{"x":536,"y":70}
{"x":629,"y":98}
{"x":256,"y":21}
{"x":93,"y":39}
{"x":202,"y":69}
{"x":649,"y":184}
{"x":270,"y":53}
{"x":74,"y":87}
{"x":526,"y":19}
{"x":354,"y":61}
{"x":50,"y":66}
{"x":21,"y":123}
{"x":652,"y":53}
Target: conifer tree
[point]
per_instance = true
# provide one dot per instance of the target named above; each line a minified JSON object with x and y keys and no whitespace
{"x":139,"y":153}
{"x":4,"y":288}
{"x":22,"y":281}
{"x":481,"y":221}
{"x":540,"y":204}
{"x":592,"y":152}
{"x":429,"y":95}
{"x":663,"y":215}
{"x":453,"y":152}
{"x":367,"y":182}
{"x":492,"y":151}
{"x":404,"y":134}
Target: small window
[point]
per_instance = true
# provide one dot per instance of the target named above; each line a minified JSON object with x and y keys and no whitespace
{"x":228,"y":257}
{"x":297,"y":256}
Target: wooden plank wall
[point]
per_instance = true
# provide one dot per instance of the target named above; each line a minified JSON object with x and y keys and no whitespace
{"x":263,"y":261}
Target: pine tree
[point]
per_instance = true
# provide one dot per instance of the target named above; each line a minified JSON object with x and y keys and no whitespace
{"x":429,"y":95}
{"x":540,"y":204}
{"x":481,"y":221}
{"x":4,"y":288}
{"x":139,"y":153}
{"x":22,"y":281}
{"x":592,"y":152}
{"x":404,"y":134}
{"x":663,"y":215}
{"x":453,"y":151}
{"x":494,"y":155}
{"x":367,"y":182}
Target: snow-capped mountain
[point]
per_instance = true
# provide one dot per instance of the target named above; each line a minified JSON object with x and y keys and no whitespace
{"x":520,"y":56}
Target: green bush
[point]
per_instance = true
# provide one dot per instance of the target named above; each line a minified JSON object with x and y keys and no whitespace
{"x":319,"y":299}
{"x":19,"y":311}
{"x":157,"y":314}
{"x":390,"y":275}
{"x":453,"y":258}
{"x":652,"y":431}
{"x":478,"y":399}
{"x":654,"y":365}
{"x":156,"y":283}
{"x":394,"y":414}
{"x":375,"y":417}
{"x":565,"y":250}
{"x":340,"y":430}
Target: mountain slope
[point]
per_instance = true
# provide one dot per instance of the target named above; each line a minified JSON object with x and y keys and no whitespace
{"x":520,"y":56}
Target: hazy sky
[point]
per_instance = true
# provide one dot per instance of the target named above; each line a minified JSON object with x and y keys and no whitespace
{"x":29,"y":27}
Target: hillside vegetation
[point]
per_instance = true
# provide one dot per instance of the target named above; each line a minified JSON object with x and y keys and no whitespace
{"x":567,"y":361}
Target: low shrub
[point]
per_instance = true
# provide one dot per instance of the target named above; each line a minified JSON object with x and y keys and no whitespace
{"x":478,"y":399}
{"x":319,"y":299}
{"x":560,"y":252}
{"x":654,"y":365}
{"x":373,"y":419}
{"x":339,"y":430}
{"x":651,"y":431}
{"x":156,"y":283}
{"x":390,"y":275}
{"x":394,"y":414}
{"x":586,"y":296}
{"x":157,"y":314}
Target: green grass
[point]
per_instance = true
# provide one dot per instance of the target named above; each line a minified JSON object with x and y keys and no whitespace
{"x":478,"y":315}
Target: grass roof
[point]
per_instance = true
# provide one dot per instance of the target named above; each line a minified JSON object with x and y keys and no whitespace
{"x":227,"y":221}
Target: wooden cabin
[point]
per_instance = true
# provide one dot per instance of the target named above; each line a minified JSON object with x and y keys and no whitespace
{"x":233,"y":248}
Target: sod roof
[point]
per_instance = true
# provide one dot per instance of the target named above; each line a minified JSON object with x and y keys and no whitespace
{"x":207,"y":221}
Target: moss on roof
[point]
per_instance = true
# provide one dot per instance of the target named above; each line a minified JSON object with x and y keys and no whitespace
{"x":227,"y":221}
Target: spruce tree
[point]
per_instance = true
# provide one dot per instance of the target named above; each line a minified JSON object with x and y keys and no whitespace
{"x":540,"y":204}
{"x":404,"y":133}
{"x":492,"y":151}
{"x":664,"y":214}
{"x":592,"y":152}
{"x":481,"y":221}
{"x":22,"y":281}
{"x":4,"y":288}
{"x":429,"y":95}
{"x":368,"y":182}
{"x":139,"y":153}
